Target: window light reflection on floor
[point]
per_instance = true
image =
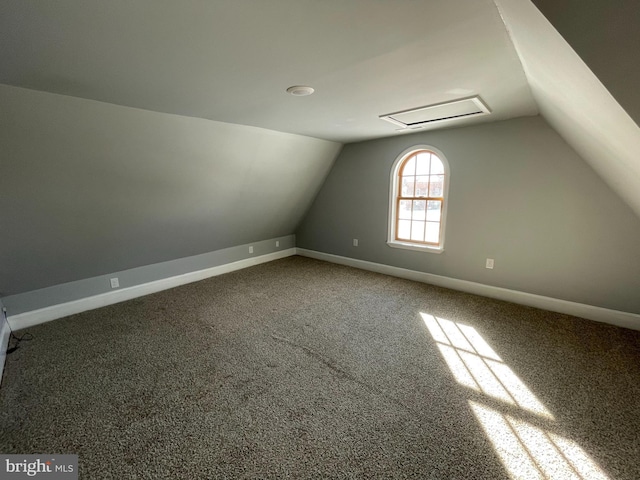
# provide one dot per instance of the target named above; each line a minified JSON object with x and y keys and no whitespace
{"x":549,"y":459}
{"x":457,"y":367}
{"x":526,"y":450}
{"x":578,"y":458}
{"x":507,"y":445}
{"x":489,"y":384}
{"x":529,"y":452}
{"x":478,"y":361}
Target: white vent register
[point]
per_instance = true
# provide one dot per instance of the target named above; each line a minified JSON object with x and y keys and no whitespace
{"x":440,"y":112}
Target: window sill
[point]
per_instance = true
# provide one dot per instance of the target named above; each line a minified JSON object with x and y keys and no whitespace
{"x":413,"y":246}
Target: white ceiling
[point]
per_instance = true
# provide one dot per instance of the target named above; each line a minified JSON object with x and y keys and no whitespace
{"x":231,"y":60}
{"x":574,"y":102}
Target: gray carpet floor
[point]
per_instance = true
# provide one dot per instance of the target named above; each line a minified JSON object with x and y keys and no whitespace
{"x":304,"y":369}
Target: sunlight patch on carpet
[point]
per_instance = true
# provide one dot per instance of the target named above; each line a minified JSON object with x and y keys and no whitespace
{"x":526,"y":450}
{"x":474,"y":363}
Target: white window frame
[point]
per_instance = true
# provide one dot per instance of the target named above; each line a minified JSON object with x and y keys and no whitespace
{"x":393,"y":193}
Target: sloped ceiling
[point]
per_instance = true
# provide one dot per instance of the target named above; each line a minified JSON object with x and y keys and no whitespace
{"x":574,"y":101}
{"x":606,"y":35}
{"x":231,"y":61}
{"x":151,"y":104}
{"x":89,"y":188}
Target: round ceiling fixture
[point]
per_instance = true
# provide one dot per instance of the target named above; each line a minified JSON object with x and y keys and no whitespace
{"x":300,"y":90}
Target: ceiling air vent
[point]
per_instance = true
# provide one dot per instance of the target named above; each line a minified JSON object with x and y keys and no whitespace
{"x":440,"y":112}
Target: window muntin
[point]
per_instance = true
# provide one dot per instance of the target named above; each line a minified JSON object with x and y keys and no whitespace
{"x":419,"y":185}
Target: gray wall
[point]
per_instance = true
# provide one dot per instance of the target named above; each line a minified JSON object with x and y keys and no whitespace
{"x":88,"y":287}
{"x":88,"y":188}
{"x":606,"y":35}
{"x":518,"y":194}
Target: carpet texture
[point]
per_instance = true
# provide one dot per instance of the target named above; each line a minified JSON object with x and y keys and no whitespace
{"x":304,"y":369}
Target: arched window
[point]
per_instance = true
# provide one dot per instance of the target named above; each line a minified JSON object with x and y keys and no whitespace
{"x":418,"y":199}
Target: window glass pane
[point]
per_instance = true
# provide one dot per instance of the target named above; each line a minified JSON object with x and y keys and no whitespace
{"x":404,"y":229}
{"x":407,"y":186}
{"x":419,"y":201}
{"x":422,"y":185}
{"x":437,"y":168}
{"x":435,"y":186}
{"x":417,"y":231}
{"x":419,"y":207}
{"x":422,"y":165}
{"x":405,"y":209}
{"x":409,"y":167}
{"x":434,"y":210}
{"x":433,"y":232}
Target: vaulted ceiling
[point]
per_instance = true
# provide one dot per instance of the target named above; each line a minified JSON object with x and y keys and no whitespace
{"x":606,"y":37}
{"x":231,"y":61}
{"x":574,"y":101}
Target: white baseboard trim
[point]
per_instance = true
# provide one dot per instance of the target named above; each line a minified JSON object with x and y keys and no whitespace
{"x":4,"y":343}
{"x":599,"y":314}
{"x":36,"y":317}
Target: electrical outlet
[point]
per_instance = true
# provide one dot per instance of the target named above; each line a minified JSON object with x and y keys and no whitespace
{"x":115,"y":283}
{"x":355,"y":242}
{"x":277,"y":243}
{"x":250,"y":249}
{"x":489,"y":263}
